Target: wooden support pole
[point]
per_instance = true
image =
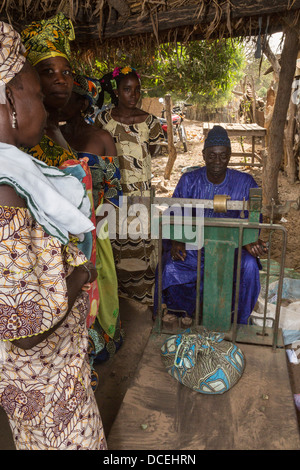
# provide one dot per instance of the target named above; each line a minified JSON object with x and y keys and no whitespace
{"x":276,"y":130}
{"x":253,"y":99}
{"x":171,"y":147}
{"x":289,"y":134}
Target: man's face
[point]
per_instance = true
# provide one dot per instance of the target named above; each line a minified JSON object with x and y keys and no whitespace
{"x":216,"y":160}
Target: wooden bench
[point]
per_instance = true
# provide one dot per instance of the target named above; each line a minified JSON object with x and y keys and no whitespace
{"x":241,"y":130}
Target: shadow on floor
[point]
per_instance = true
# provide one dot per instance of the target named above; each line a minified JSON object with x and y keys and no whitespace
{"x":115,"y":375}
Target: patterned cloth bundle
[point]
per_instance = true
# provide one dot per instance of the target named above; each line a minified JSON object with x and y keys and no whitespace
{"x":205,"y":363}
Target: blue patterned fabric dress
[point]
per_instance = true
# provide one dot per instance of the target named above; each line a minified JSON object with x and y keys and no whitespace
{"x":179,"y":277}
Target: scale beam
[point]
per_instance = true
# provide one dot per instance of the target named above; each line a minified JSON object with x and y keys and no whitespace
{"x":225,"y":203}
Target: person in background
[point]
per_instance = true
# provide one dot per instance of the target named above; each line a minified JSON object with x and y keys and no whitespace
{"x":135,"y":133}
{"x":45,"y":385}
{"x":180,"y":265}
{"x":98,"y":147}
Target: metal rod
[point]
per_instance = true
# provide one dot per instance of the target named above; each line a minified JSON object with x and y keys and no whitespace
{"x":159,"y":268}
{"x":268,"y":274}
{"x":198,"y":288}
{"x":170,"y":201}
{"x":267,"y":282}
{"x":267,"y":285}
{"x":237,"y":286}
{"x":279,"y":290}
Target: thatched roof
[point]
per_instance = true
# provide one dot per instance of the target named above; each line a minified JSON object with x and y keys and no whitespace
{"x":126,"y":23}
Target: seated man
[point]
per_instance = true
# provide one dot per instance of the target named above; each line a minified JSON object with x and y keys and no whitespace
{"x":180,"y":265}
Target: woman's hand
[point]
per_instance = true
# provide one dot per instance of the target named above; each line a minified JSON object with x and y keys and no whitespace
{"x":91,"y":271}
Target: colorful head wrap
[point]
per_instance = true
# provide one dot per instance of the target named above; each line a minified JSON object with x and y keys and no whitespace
{"x":120,"y":72}
{"x":217,"y":136}
{"x":88,"y":87}
{"x":48,"y":38}
{"x":11,"y":56}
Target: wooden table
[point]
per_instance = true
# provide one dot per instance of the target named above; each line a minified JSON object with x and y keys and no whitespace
{"x":241,"y":130}
{"x":258,"y":413}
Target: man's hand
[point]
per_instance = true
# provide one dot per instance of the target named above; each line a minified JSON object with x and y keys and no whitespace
{"x":178,"y":251}
{"x":257,"y":249}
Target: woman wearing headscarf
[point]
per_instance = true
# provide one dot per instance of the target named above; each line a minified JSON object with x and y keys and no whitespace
{"x":98,"y":147}
{"x":45,"y":385}
{"x":135,"y":133}
{"x":47,"y":44}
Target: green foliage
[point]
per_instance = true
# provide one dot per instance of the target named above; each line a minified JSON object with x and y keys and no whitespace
{"x":208,"y":70}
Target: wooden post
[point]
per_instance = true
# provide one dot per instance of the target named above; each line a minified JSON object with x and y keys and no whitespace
{"x":171,"y":147}
{"x":253,"y":99}
{"x":289,"y":134}
{"x":275,"y":138}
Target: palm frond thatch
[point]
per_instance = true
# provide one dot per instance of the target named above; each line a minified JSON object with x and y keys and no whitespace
{"x":101,"y":25}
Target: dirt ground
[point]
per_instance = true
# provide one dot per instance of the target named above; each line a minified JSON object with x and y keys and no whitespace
{"x":116,"y":374}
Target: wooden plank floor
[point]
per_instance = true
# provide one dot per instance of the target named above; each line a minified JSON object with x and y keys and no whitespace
{"x":258,"y":413}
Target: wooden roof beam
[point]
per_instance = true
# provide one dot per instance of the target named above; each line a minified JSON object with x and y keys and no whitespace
{"x":182,"y":17}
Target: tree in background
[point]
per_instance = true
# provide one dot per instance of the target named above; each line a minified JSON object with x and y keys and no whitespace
{"x":207,"y":69}
{"x":258,"y":68}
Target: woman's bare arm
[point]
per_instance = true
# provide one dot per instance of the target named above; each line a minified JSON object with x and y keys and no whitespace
{"x":75,"y":282}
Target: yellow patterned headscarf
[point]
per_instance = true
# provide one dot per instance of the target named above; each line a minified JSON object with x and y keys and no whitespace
{"x":48,"y":38}
{"x":11,"y":55}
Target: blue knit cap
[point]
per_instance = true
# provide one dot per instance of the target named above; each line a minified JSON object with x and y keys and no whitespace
{"x":217,"y":136}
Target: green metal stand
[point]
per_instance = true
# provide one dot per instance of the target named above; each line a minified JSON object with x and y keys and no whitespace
{"x":220,"y":246}
{"x":223,"y":241}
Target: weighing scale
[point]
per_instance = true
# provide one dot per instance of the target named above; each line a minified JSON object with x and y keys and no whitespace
{"x":258,"y":413}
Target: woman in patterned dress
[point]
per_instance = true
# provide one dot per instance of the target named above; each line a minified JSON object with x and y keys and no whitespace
{"x":47,"y":46}
{"x":97,"y":145}
{"x":45,"y":385}
{"x":135,"y":133}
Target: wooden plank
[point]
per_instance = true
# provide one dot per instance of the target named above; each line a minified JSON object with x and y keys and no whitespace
{"x":258,"y":413}
{"x":237,"y":129}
